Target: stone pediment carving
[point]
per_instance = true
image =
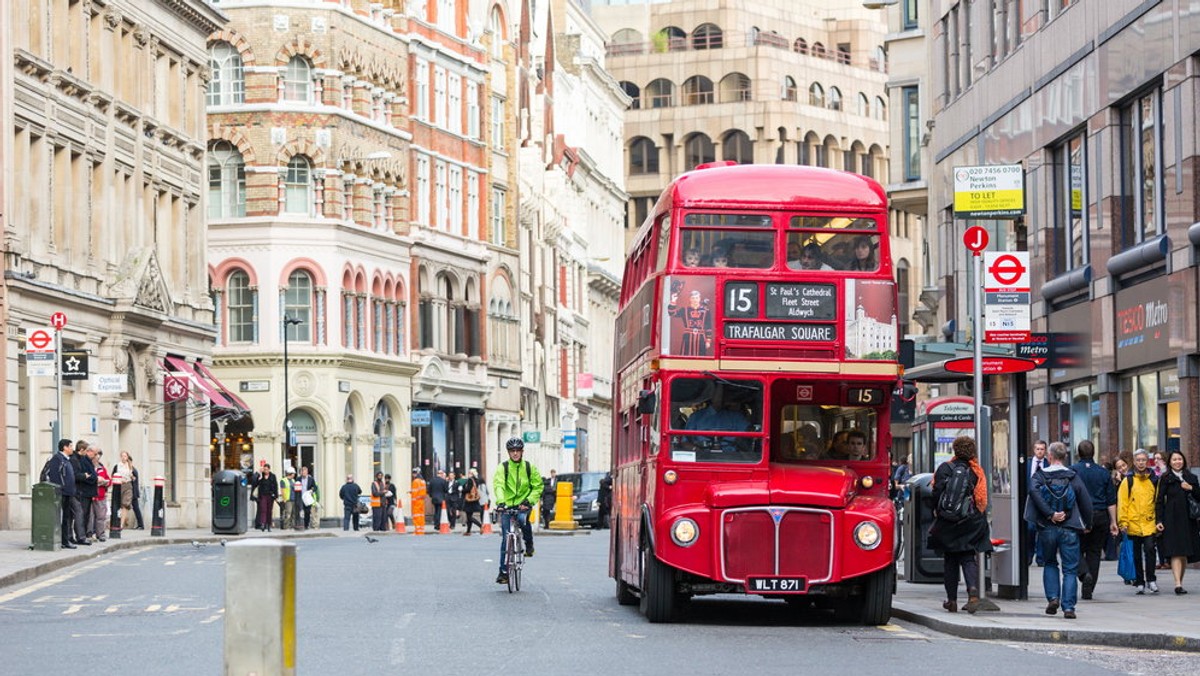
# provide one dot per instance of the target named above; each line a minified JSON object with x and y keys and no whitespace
{"x":139,"y":281}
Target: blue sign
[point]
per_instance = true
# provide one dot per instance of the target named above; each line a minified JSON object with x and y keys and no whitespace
{"x":422,"y":417}
{"x":569,"y":440}
{"x":291,"y":437}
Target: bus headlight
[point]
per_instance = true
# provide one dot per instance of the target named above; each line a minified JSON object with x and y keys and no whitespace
{"x":684,"y":532}
{"x":867,"y":481}
{"x":670,"y":477}
{"x":867,"y":535}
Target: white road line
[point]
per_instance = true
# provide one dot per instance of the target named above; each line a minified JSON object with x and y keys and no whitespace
{"x":170,"y":562}
{"x":171,"y":608}
{"x":112,"y":609}
{"x":38,"y":586}
{"x":212,"y":619}
{"x":153,"y":608}
{"x":73,"y":608}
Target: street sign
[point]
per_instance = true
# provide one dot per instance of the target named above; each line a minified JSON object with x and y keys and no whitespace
{"x":59,"y":320}
{"x":109,"y":383}
{"x":991,"y":365}
{"x":422,"y":417}
{"x":1039,"y":349}
{"x":568,"y":441}
{"x":976,"y":238}
{"x":991,"y":191}
{"x":73,"y":365}
{"x":1006,"y":294}
{"x":40,"y":340}
{"x":532,"y":437}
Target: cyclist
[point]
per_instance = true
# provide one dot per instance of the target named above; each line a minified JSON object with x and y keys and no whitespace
{"x":517,"y":483}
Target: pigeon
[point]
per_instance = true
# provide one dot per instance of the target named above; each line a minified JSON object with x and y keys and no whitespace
{"x":371,"y":539}
{"x":197,"y":544}
{"x":222,"y":542}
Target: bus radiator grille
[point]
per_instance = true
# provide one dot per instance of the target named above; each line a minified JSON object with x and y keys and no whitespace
{"x":753,"y":544}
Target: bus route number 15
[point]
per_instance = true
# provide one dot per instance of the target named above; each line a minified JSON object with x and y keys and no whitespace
{"x":741,"y":299}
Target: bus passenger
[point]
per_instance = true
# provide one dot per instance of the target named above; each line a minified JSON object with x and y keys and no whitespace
{"x":697,"y":324}
{"x":856,"y":444}
{"x":717,"y":258}
{"x":864,"y":255}
{"x":794,"y":249}
{"x":811,"y":258}
{"x":691,"y":258}
{"x":839,"y":447}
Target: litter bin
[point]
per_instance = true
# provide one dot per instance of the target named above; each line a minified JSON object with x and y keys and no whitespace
{"x":921,"y":564}
{"x":47,"y":517}
{"x":229,"y":506}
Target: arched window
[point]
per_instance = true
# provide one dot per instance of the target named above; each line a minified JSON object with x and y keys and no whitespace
{"x":643,"y":156}
{"x":789,"y":89}
{"x":661,"y":93}
{"x":835,"y":98}
{"x":818,"y":50}
{"x":626,"y":41}
{"x":226,"y":181}
{"x":298,"y":186}
{"x":697,"y":149}
{"x":864,"y":105}
{"x":880,"y":108}
{"x":228,"y":84}
{"x":816,"y":95}
{"x":298,"y":304}
{"x":879,"y":61}
{"x":498,"y":36}
{"x":297,"y":80}
{"x":707,"y":36}
{"x":384,"y":434}
{"x":632,"y":91}
{"x":241,"y":301}
{"x":735,"y":87}
{"x":348,"y":429}
{"x":800,"y":46}
{"x":736,"y":146}
{"x":697,"y":90}
{"x":671,"y":38}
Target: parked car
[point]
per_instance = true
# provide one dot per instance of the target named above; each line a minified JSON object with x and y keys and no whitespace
{"x":586,"y":491}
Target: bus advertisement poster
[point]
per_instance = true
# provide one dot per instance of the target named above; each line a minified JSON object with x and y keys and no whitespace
{"x":687,"y":320}
{"x":871,"y":328}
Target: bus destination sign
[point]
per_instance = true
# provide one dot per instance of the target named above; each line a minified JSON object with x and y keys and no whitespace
{"x":807,"y":333}
{"x":802,"y":301}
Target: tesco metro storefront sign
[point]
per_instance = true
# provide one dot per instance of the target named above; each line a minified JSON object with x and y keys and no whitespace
{"x":1143,"y":323}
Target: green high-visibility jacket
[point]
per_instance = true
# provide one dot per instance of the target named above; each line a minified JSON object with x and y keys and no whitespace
{"x":516,"y":482}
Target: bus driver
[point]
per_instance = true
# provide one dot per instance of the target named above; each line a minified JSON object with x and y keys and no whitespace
{"x":721,"y":414}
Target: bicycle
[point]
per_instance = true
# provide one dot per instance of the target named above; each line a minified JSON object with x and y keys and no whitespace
{"x":514,"y":548}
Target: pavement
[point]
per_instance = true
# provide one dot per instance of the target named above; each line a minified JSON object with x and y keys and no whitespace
{"x":1115,"y":617}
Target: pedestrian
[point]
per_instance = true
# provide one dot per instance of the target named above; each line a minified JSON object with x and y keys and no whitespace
{"x":60,"y":472}
{"x":1179,"y":540}
{"x":85,"y":490}
{"x":900,"y":477}
{"x":454,"y":497}
{"x":349,"y":495}
{"x":99,"y":504}
{"x":1037,"y":461}
{"x":137,"y":496}
{"x":287,"y":499}
{"x":1098,"y":482}
{"x":266,"y":486}
{"x":307,"y":486}
{"x":1137,"y":520}
{"x":472,"y":507}
{"x":378,"y":496}
{"x":123,"y":469}
{"x":389,"y":509}
{"x":438,"y":488}
{"x":418,"y":493}
{"x":1061,"y":507}
{"x":960,"y":528}
{"x":604,"y":497}
{"x":549,"y":493}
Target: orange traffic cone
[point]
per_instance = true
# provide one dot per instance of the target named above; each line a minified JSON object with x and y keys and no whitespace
{"x":400,"y":525}
{"x":486,"y":528}
{"x":444,"y":527}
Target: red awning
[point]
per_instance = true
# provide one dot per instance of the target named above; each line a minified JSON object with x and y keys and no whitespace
{"x":228,"y":393}
{"x":214,"y":394}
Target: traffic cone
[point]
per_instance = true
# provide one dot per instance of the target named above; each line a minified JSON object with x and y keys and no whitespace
{"x":486,"y":528}
{"x":400,"y":525}
{"x":444,"y":527}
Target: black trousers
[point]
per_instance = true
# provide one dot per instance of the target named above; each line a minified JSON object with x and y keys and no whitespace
{"x":969,"y":563}
{"x":68,"y":520}
{"x":137,"y":513}
{"x":1091,"y":547}
{"x":1145,"y":556}
{"x":77,"y":518}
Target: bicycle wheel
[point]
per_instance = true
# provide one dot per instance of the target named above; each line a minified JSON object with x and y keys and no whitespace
{"x":510,"y":561}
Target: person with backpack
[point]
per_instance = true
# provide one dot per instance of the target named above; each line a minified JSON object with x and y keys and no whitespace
{"x":960,"y":528}
{"x":1061,"y":507}
{"x":472,"y":505}
{"x":1136,"y":518}
{"x":517,"y":483}
{"x":1179,"y":541}
{"x":1104,"y":514}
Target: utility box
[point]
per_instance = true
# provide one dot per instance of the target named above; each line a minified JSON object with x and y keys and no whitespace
{"x":229,"y":503}
{"x":921,"y":564}
{"x":47,"y":517}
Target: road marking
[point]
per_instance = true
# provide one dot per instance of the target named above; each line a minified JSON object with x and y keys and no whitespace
{"x":170,"y":562}
{"x":38,"y":586}
{"x":153,"y":608}
{"x":112,"y":609}
{"x":73,"y":608}
{"x":171,"y":608}
{"x":212,"y":619}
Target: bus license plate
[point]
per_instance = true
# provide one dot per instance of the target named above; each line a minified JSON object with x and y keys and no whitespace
{"x":776,"y":585}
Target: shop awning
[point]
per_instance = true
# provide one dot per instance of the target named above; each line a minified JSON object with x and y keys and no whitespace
{"x":207,"y":383}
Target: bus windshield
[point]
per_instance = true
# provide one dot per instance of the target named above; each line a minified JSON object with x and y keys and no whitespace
{"x":727,"y":241}
{"x":836,"y":433}
{"x":823,"y":243}
{"x":706,"y":409}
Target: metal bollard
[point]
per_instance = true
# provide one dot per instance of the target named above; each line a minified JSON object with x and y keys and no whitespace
{"x":564,"y":507}
{"x":114,"y":523}
{"x":260,"y":607}
{"x":158,"y":526}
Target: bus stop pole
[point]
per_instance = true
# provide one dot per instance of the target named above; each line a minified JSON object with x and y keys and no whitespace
{"x":985,"y":460}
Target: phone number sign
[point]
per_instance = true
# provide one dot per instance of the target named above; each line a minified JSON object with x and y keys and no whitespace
{"x":990,"y":191}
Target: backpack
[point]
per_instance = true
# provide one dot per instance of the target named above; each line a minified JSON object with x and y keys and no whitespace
{"x":473,"y":494}
{"x":1058,"y":493}
{"x":957,"y":502}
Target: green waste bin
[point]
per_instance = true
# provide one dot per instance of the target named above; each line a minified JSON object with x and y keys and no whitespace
{"x":47,"y":517}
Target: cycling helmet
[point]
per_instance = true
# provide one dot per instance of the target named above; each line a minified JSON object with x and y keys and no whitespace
{"x":515,"y":444}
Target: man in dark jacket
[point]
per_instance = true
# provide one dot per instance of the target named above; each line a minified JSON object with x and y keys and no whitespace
{"x":438,"y":488}
{"x":61,"y":473}
{"x":349,"y":495}
{"x":85,"y":490}
{"x":1098,"y":481}
{"x":1060,"y":524}
{"x":549,"y":495}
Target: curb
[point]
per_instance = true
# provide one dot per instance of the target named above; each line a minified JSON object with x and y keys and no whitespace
{"x":47,"y":567}
{"x":1111,"y":639}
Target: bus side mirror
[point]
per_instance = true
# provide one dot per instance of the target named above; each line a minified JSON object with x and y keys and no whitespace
{"x":645,"y":402}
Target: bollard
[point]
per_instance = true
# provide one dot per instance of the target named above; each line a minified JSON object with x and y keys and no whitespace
{"x":260,"y":607}
{"x":564,"y":506}
{"x":114,"y":523}
{"x":158,"y":526}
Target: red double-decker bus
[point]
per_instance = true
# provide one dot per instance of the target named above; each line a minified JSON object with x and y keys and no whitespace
{"x":755,"y":361}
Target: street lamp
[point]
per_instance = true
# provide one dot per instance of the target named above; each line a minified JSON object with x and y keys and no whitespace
{"x":287,"y":407}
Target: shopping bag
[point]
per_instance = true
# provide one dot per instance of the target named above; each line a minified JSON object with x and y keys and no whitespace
{"x":1125,"y":566}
